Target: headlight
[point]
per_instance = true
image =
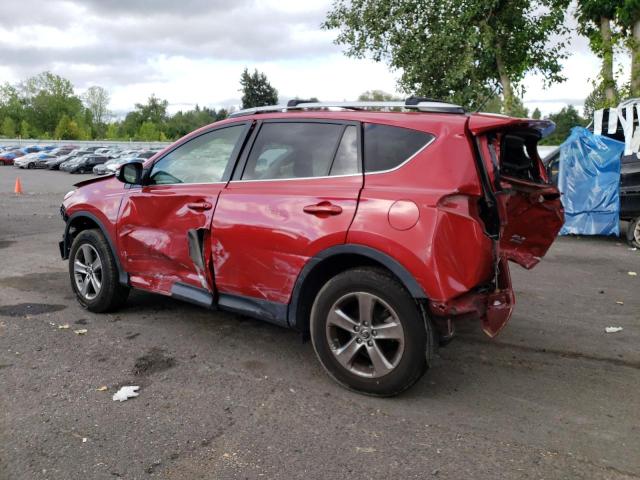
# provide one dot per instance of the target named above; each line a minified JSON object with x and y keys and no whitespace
{"x":68,"y":194}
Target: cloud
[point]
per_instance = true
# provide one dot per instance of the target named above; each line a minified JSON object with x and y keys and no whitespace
{"x":193,"y":51}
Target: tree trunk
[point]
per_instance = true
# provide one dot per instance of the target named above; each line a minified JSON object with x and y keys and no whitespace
{"x":507,"y":89}
{"x":608,"y":82}
{"x":635,"y":60}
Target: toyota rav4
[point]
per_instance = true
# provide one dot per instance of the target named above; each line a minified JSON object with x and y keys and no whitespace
{"x":372,"y":228}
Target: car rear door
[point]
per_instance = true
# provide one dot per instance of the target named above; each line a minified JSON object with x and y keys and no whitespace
{"x":529,"y":207}
{"x":294,"y":194}
{"x":164,"y":226}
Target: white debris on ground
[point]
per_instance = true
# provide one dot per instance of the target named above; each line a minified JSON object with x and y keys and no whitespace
{"x":125,"y":393}
{"x":613,"y":329}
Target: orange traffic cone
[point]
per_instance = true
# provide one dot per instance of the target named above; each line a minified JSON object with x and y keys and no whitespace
{"x":18,"y":188}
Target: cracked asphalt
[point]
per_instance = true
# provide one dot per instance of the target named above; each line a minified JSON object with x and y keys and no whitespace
{"x":225,"y":397}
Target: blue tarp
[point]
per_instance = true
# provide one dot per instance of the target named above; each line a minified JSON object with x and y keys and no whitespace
{"x":589,"y":179}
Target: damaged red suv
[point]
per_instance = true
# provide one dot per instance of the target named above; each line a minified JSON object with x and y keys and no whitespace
{"x":370,"y":227}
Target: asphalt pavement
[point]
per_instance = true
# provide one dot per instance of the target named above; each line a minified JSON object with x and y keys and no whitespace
{"x":224,"y":397}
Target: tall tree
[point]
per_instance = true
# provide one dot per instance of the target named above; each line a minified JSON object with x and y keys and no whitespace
{"x":378,"y":96}
{"x":595,"y":19}
{"x":628,"y":14}
{"x":48,"y":97}
{"x":461,"y":50}
{"x":565,"y":120}
{"x":256,"y":90}
{"x":96,"y":101}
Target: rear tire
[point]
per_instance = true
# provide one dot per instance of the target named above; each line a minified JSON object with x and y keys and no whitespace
{"x":94,"y":273}
{"x":29,"y":166}
{"x":633,"y":232}
{"x":381,"y":356}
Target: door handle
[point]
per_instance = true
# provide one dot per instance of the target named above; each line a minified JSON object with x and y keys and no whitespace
{"x":199,"y":206}
{"x":323,"y":208}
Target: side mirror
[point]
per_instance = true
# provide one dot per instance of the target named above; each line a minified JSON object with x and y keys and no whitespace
{"x":130,"y":173}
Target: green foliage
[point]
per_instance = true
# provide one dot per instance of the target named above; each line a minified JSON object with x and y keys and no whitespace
{"x":47,"y":97}
{"x":96,"y":102}
{"x":378,"y":96}
{"x":565,"y":120}
{"x":148,"y":131}
{"x":536,"y":115}
{"x":8,"y":127}
{"x":458,"y":50}
{"x":67,"y":129}
{"x":45,"y":106}
{"x":256,"y":90}
{"x":25,"y":129}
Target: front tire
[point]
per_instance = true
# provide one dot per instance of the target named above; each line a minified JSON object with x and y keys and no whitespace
{"x":633,"y":232}
{"x":94,"y":273}
{"x":369,"y":333}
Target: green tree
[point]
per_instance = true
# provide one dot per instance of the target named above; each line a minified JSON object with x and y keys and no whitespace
{"x":378,"y":96}
{"x":154,"y":111}
{"x":256,"y":90}
{"x":96,"y":101}
{"x":460,"y":50}
{"x":565,"y":120}
{"x":11,"y":103}
{"x":112,"y":132}
{"x":536,"y":115}
{"x":595,"y":21}
{"x":67,"y":129}
{"x":628,"y":14}
{"x":8,"y":127}
{"x":25,"y":129}
{"x":148,"y":132}
{"x":47,"y":98}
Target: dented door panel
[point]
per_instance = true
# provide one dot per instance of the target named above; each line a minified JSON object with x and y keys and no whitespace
{"x":155,"y":233}
{"x":264,"y":233}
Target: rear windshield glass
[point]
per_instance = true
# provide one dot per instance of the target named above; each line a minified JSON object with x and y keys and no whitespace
{"x":387,"y":147}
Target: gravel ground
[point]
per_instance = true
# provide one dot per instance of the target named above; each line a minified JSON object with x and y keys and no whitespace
{"x":223,"y":396}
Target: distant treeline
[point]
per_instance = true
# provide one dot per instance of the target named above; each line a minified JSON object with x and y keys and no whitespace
{"x":46,"y":106}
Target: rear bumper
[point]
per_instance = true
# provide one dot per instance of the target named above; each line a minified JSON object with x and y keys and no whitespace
{"x":492,"y":306}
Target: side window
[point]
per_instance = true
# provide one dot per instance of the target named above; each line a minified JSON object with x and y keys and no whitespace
{"x":201,"y":160}
{"x":292,"y":150}
{"x":346,"y":161}
{"x":386,"y":147}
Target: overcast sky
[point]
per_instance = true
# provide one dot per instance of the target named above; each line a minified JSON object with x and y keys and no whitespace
{"x":193,"y":51}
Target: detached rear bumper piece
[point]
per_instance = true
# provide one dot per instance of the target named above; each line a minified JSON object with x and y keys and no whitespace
{"x":492,"y":306}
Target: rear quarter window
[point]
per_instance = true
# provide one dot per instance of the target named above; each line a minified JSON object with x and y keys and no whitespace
{"x":387,"y":147}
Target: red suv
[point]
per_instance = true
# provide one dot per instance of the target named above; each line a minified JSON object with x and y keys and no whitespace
{"x":370,"y":227}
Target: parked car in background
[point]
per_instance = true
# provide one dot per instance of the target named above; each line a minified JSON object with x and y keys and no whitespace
{"x":8,"y":157}
{"x":110,"y":167}
{"x":83,"y":164}
{"x":371,"y":232}
{"x":30,"y":159}
{"x":31,"y":149}
{"x":54,"y":164}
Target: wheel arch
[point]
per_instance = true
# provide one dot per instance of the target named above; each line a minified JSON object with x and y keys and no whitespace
{"x":332,"y":261}
{"x":80,"y":221}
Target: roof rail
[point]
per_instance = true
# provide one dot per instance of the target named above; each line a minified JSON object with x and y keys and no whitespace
{"x":420,"y":104}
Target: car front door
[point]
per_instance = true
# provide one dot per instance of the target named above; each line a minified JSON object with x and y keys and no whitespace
{"x":164,"y":226}
{"x":294,"y":194}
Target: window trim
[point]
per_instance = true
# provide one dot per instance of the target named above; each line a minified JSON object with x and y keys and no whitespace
{"x":226,"y":175}
{"x":236,"y":176}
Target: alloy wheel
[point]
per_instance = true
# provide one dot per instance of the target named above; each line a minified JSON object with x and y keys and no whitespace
{"x":87,"y":271}
{"x":365,"y":334}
